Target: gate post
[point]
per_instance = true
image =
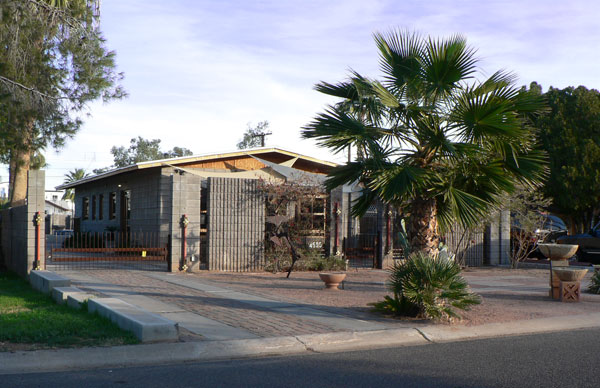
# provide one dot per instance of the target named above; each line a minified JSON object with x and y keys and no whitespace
{"x":169,"y":253}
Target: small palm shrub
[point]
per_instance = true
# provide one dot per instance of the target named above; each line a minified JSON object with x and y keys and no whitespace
{"x":594,"y":286}
{"x":427,"y":287}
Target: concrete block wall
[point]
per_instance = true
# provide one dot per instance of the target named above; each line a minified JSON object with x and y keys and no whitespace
{"x":19,"y":230}
{"x":498,"y":239}
{"x":183,"y":198}
{"x":347,"y":224}
{"x":236,"y":225}
{"x":144,"y":202}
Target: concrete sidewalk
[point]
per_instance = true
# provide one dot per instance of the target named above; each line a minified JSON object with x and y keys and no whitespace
{"x":221,"y":319}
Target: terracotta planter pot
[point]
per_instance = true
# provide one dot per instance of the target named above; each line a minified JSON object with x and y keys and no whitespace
{"x":332,"y":280}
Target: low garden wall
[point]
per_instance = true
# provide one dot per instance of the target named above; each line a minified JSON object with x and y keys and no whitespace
{"x":22,"y":248}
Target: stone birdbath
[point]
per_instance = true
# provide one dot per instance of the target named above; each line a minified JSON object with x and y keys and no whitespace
{"x":570,"y":283}
{"x":556,"y":252}
{"x":558,"y":255}
{"x":565,"y":282}
{"x":332,"y":279}
{"x":570,"y":274}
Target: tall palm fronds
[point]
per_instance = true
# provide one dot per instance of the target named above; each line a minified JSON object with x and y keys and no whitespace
{"x":433,"y":137}
{"x":73,"y":176}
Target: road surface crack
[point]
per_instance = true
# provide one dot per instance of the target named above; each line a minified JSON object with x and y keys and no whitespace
{"x":306,"y":346}
{"x":423,"y":335}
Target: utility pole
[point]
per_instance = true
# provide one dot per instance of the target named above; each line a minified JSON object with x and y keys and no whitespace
{"x":262,"y":137}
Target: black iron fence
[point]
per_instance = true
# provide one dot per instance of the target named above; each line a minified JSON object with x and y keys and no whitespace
{"x":66,"y":250}
{"x":467,"y":245}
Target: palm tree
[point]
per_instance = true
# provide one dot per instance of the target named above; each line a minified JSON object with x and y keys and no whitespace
{"x":73,"y":176}
{"x":433,"y":139}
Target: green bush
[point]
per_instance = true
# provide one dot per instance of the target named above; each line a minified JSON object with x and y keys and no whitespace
{"x":594,"y":286}
{"x":333,"y":263}
{"x":310,"y":260}
{"x":427,"y":287}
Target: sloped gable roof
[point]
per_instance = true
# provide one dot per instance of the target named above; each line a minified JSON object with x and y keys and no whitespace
{"x":254,"y":153}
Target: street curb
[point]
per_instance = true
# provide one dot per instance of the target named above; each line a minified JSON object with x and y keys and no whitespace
{"x":170,"y":353}
{"x":531,"y":326}
{"x":343,"y":341}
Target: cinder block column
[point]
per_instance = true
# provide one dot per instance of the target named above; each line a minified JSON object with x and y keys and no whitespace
{"x":504,"y":237}
{"x":185,"y":200}
{"x":499,"y":239}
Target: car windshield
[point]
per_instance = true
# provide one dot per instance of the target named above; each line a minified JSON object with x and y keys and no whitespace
{"x":554,"y":223}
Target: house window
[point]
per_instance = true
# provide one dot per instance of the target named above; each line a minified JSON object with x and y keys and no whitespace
{"x":112,"y":205}
{"x":312,"y":214}
{"x":85,"y":208}
{"x":128,"y":204}
{"x":100,"y":206}
{"x":93,"y":207}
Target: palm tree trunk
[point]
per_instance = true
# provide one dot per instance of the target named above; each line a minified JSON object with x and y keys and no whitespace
{"x":19,"y":177}
{"x":20,"y":160}
{"x":423,"y":233}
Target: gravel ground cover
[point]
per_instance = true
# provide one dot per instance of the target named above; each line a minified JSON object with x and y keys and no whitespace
{"x":507,"y":294}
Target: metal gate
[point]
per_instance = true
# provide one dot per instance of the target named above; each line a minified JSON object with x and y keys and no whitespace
{"x":66,"y":250}
{"x":362,"y":249}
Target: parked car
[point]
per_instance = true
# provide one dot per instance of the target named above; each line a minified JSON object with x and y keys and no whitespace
{"x":552,"y":228}
{"x":589,"y":244}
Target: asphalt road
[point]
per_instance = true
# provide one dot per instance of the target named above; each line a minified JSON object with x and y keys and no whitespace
{"x":569,"y":359}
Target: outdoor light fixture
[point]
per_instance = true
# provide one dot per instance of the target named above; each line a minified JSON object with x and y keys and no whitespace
{"x":184,"y":221}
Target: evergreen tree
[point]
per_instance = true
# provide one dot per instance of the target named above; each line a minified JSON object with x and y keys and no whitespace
{"x":254,"y":136}
{"x":570,"y":134}
{"x":53,"y":62}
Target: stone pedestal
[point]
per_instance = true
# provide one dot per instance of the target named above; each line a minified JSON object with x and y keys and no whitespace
{"x":554,"y":280}
{"x":570,"y":291}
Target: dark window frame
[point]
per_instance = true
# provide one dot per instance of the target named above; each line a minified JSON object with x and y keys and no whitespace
{"x":100,"y":206}
{"x":93,"y":207}
{"x":85,"y":208}
{"x":112,"y":205}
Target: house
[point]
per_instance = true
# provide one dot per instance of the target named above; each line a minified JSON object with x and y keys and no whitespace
{"x":54,"y":204}
{"x":206,"y":207}
{"x":210,"y":212}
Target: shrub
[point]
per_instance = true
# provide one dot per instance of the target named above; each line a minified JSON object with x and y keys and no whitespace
{"x":333,"y":263}
{"x":427,"y":287}
{"x":594,"y":286}
{"x":310,"y":260}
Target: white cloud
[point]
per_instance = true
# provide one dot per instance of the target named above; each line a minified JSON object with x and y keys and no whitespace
{"x":199,"y":71}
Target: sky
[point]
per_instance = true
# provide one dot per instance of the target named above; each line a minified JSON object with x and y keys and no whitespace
{"x":199,"y":72}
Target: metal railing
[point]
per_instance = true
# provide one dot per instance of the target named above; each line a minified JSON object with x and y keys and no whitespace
{"x":66,"y":250}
